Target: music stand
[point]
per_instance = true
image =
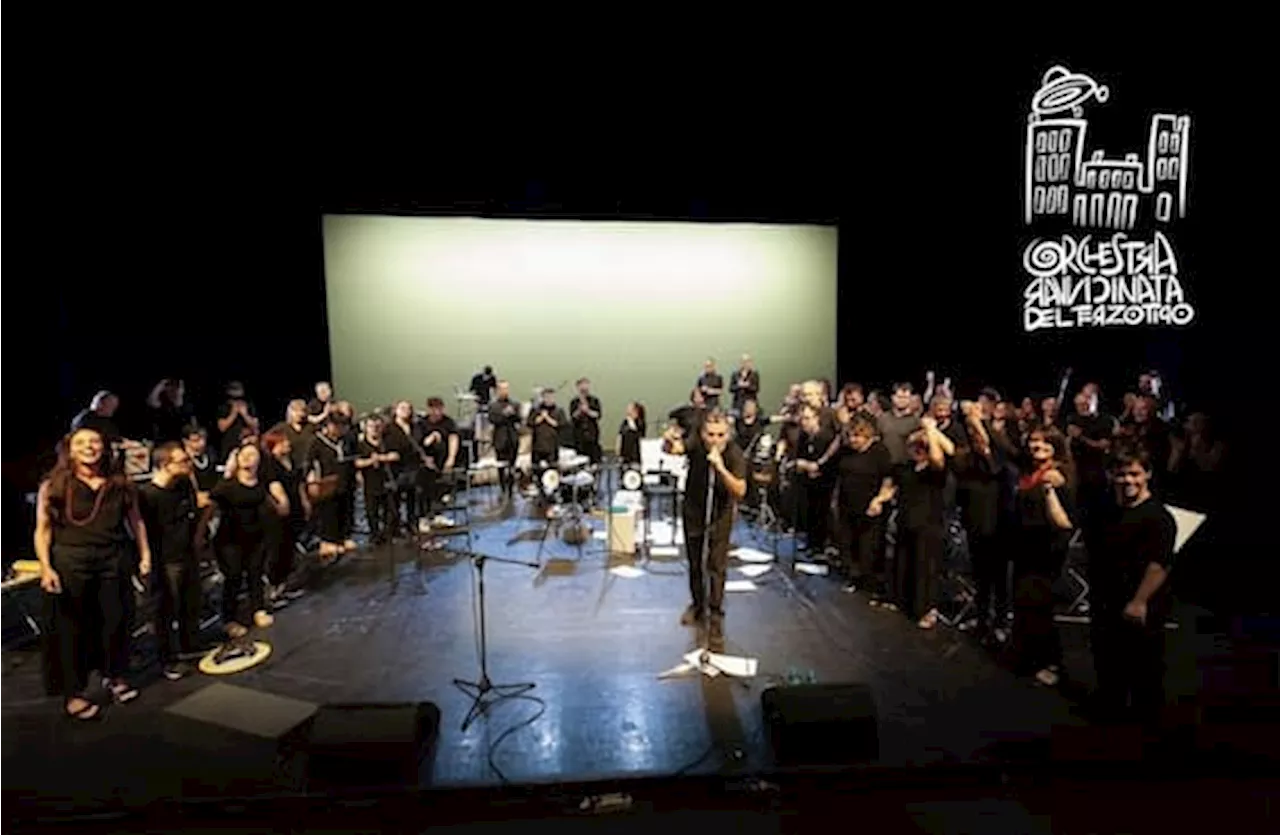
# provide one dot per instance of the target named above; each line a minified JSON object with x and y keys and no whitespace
{"x":484,"y":692}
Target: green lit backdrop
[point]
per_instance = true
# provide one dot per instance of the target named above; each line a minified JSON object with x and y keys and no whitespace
{"x":416,"y":306}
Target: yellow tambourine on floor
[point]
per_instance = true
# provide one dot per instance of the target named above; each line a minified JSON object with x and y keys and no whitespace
{"x":234,"y":657}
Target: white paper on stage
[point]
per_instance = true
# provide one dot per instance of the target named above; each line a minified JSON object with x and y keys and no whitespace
{"x":811,"y":568}
{"x":733,"y":665}
{"x":754,"y":570}
{"x":1187,"y":523}
{"x":740,"y":585}
{"x":664,"y":551}
{"x":751,"y":555}
{"x":629,"y":572}
{"x":602,"y":535}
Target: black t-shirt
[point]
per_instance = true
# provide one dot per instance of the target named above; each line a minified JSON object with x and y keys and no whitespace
{"x":205,"y":468}
{"x":631,"y":435}
{"x":695,"y":494}
{"x":505,"y":417}
{"x":585,"y":424}
{"x":481,"y":385}
{"x":860,"y":475}
{"x":546,"y":438}
{"x":745,"y":434}
{"x":243,"y":510}
{"x":1041,"y":545}
{"x":438,"y":448}
{"x":329,"y":458}
{"x":104,"y":426}
{"x":315,"y":406}
{"x":1091,"y":463}
{"x":745,"y":386}
{"x":711,"y":381}
{"x":375,"y":477}
{"x":921,"y":499}
{"x":814,"y":447}
{"x":299,"y":441}
{"x":1128,"y":539}
{"x":287,"y":476}
{"x":170,"y":516}
{"x":405,"y":443}
{"x":237,"y":430}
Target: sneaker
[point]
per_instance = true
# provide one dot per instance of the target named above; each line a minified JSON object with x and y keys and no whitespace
{"x":176,"y":671}
{"x":849,"y":588}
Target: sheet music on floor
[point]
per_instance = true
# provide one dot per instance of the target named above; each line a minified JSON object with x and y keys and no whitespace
{"x":739,"y":585}
{"x":753,"y":570}
{"x":751,"y":555}
{"x":811,"y":568}
{"x":628,"y":572}
{"x":715,"y":664}
{"x":664,"y":551}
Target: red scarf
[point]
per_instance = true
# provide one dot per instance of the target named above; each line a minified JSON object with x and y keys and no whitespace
{"x":1034,"y":480}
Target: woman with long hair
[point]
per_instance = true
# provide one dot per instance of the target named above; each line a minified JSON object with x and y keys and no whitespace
{"x":1043,"y":508}
{"x":630,"y":433}
{"x":243,"y":500}
{"x":85,"y":511}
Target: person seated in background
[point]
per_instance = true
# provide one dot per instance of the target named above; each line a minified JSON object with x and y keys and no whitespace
{"x":690,"y":415}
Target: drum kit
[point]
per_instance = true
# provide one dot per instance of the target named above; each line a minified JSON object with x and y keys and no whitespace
{"x":569,"y":486}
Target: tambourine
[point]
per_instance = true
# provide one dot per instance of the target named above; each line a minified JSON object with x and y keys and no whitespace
{"x":632,"y":480}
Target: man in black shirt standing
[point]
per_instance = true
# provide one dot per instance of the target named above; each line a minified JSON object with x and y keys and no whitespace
{"x":482,"y":386}
{"x":586,"y":422}
{"x":711,"y":384}
{"x":504,"y":414}
{"x":818,"y":444}
{"x":1134,"y":540}
{"x":168,"y":506}
{"x":440,"y":443}
{"x":318,"y":408}
{"x":547,"y":420}
{"x":299,"y":430}
{"x":717,"y":471}
{"x":1091,"y":435}
{"x":863,"y":473}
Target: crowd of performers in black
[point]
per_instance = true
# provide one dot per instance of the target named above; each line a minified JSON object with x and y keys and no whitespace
{"x":844,"y":472}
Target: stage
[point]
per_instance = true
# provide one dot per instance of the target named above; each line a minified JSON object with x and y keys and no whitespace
{"x":592,"y":641}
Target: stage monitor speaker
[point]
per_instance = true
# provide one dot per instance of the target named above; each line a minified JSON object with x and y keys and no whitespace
{"x":370,"y":745}
{"x":821,"y":724}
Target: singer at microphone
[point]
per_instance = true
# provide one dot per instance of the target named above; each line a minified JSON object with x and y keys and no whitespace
{"x":716,"y":482}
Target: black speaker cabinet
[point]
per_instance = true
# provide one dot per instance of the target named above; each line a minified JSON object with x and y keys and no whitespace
{"x":375,"y":745}
{"x":821,"y":724}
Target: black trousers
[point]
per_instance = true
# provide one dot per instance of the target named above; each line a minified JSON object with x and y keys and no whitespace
{"x":587,"y":442}
{"x":990,"y":557}
{"x":432,"y":487}
{"x":1129,"y":660}
{"x":816,"y":510}
{"x":507,"y":453}
{"x":89,"y":616}
{"x":281,"y":536}
{"x":706,"y":588}
{"x":176,"y":587}
{"x":1036,"y":642}
{"x":917,"y":558}
{"x":329,"y":517}
{"x":241,"y":563}
{"x":378,"y":509}
{"x":861,"y":539}
{"x":346,"y":510}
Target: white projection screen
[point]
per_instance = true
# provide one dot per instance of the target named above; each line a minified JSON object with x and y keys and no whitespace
{"x":417,"y":305}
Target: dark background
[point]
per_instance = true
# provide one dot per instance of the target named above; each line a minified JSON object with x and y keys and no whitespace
{"x":173,"y":227}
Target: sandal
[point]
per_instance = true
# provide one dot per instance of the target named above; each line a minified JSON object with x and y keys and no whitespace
{"x":86,"y":713}
{"x":121,"y":691}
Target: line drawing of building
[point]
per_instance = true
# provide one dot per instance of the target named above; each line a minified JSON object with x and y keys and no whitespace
{"x":1099,"y":192}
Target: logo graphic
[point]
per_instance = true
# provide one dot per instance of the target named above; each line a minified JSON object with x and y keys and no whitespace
{"x":1111,"y":273}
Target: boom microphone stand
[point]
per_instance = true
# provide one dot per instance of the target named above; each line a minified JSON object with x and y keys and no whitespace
{"x":484,"y":692}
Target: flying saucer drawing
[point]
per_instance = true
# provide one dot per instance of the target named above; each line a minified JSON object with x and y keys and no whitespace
{"x":1063,"y":90}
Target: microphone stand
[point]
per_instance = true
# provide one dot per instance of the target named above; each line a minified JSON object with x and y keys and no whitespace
{"x":484,"y":692}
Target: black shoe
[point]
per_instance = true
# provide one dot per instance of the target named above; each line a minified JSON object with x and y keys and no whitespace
{"x":715,"y":636}
{"x":690,"y":616}
{"x":177,"y":671}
